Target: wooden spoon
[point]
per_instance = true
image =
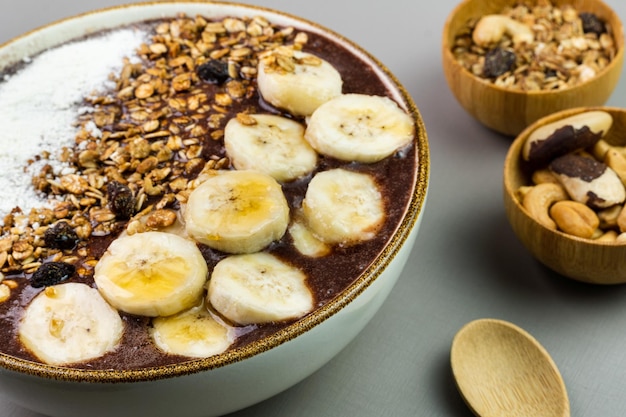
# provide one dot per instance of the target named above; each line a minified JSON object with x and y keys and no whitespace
{"x":502,"y":371}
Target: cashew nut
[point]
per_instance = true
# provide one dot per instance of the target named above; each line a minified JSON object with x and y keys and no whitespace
{"x":621,"y":238}
{"x":602,"y":147}
{"x":609,"y":236}
{"x":617,"y":162}
{"x":621,"y":220}
{"x":542,"y":176}
{"x":574,"y":218}
{"x":538,"y":200}
{"x":522,"y":191}
{"x":491,"y":28}
{"x":608,"y":216}
{"x":598,"y":233}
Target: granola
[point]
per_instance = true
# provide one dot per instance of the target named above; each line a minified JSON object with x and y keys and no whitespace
{"x":148,"y":137}
{"x":567,"y":48}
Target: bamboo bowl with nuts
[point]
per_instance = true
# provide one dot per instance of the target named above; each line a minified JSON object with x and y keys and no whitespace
{"x":547,"y":61}
{"x":600,"y":256}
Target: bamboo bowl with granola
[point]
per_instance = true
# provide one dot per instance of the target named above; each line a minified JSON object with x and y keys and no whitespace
{"x":160,"y":238}
{"x":566,"y":223}
{"x":509,"y":63}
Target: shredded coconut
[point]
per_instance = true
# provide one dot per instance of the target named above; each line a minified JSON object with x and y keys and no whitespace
{"x":40,"y":105}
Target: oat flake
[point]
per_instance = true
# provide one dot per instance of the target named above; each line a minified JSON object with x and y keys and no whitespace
{"x":39,"y":106}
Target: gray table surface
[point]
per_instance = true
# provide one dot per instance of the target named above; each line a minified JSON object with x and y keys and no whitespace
{"x":467,"y":264}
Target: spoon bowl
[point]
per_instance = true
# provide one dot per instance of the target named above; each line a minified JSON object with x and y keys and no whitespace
{"x":501,"y":370}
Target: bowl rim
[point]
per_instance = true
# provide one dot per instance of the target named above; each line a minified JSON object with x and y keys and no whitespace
{"x":413,"y":210}
{"x":618,"y":37}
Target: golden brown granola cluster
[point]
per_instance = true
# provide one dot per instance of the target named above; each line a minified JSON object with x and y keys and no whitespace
{"x":139,"y":152}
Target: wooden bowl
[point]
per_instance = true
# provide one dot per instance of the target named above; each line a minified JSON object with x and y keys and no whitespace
{"x":580,"y":259}
{"x":509,"y":111}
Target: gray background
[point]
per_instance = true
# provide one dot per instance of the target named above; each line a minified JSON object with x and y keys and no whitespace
{"x":467,"y":263}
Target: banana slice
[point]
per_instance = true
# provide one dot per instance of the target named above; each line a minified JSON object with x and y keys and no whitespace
{"x":359,"y":127}
{"x":152,"y":274}
{"x":194,"y":333}
{"x":258,"y":288}
{"x":237,"y":211}
{"x":343,"y":207}
{"x":69,"y":323}
{"x":271,"y":144}
{"x":297,"y":81}
{"x":304,"y":240}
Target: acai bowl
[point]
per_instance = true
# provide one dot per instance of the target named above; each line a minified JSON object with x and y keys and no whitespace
{"x":144,"y":207}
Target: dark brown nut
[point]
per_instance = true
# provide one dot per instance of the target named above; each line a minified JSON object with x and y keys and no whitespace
{"x":566,"y":135}
{"x":574,"y":218}
{"x":588,"y":181}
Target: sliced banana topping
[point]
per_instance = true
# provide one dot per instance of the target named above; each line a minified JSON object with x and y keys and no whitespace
{"x":69,"y":323}
{"x":297,"y":81}
{"x":358,"y":127}
{"x":258,"y":288}
{"x":237,"y":211}
{"x":304,"y":240}
{"x":152,"y":274}
{"x":194,"y":333}
{"x":271,"y":144}
{"x":343,"y":207}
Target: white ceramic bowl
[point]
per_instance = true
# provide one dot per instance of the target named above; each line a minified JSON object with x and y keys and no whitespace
{"x":242,"y":377}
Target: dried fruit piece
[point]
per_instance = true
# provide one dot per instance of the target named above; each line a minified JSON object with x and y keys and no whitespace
{"x":213,"y":71}
{"x":592,"y":23}
{"x":52,"y":273}
{"x":61,"y":236}
{"x":498,"y":61}
{"x":121,"y":199}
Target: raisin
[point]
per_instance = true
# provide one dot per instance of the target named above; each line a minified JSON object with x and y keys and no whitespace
{"x":550,"y":73}
{"x":498,"y":61}
{"x":61,"y":236}
{"x":592,"y":23}
{"x":213,"y":71}
{"x":121,"y":200}
{"x":52,"y":273}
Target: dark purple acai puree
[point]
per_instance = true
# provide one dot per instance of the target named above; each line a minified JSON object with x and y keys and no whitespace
{"x":327,"y":276}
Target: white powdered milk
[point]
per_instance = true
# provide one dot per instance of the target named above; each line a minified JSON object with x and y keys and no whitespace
{"x":39,"y":106}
